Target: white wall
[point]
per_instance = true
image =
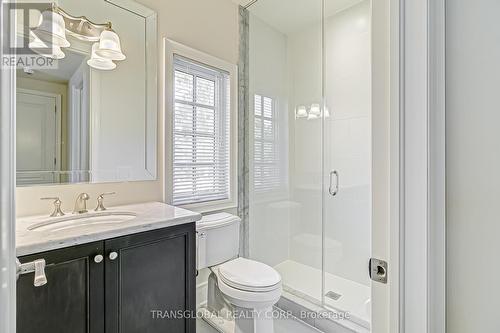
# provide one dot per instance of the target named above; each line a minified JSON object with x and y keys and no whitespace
{"x":473,"y":164}
{"x":210,"y":26}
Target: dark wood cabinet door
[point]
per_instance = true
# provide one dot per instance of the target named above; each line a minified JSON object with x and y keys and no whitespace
{"x":153,"y":271}
{"x":73,"y":298}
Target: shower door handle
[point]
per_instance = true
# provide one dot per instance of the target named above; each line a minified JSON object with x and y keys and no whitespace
{"x":334,"y":188}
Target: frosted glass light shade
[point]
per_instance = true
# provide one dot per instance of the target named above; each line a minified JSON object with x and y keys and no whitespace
{"x":312,"y":116}
{"x":315,"y":110}
{"x":45,"y":49}
{"x":109,"y":46}
{"x":52,"y":29}
{"x":301,"y":112}
{"x":98,"y":62}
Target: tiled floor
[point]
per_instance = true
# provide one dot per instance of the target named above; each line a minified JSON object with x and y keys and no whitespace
{"x":297,"y":277}
{"x":280,"y":326}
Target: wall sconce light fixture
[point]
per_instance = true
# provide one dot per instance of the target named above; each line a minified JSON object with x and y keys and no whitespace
{"x":314,"y":112}
{"x":51,"y":34}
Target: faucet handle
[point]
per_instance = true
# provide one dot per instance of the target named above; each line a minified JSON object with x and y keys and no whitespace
{"x":100,"y":201}
{"x":57,"y":206}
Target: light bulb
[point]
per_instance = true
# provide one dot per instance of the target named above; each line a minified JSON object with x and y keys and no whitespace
{"x":301,"y":112}
{"x":315,"y":110}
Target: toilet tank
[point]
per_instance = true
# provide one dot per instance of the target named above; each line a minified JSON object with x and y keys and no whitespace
{"x":217,"y":239}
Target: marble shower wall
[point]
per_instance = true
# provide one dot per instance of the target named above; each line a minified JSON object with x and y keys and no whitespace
{"x":243,"y":131}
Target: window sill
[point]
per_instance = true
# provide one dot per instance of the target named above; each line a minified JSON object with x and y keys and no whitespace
{"x":209,"y":207}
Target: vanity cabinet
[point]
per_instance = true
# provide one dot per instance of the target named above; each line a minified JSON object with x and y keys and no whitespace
{"x":71,"y":301}
{"x":145,"y":283}
{"x":152,"y":272}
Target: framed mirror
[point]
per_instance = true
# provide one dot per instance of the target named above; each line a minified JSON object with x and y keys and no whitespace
{"x":87,"y":121}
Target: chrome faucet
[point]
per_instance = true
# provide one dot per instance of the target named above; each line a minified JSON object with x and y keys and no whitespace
{"x":81,"y":203}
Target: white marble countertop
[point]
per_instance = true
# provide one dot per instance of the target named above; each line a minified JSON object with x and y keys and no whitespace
{"x":142,"y":217}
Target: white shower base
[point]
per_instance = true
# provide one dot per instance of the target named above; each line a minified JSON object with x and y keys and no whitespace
{"x":305,"y":281}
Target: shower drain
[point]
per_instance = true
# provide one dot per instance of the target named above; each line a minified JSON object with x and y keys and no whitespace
{"x":333,"y":295}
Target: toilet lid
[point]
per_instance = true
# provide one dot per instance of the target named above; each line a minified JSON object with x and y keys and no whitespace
{"x":249,"y":275}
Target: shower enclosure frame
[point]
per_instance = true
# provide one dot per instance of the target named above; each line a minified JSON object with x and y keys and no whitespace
{"x":386,"y":305}
{"x":409,"y":81}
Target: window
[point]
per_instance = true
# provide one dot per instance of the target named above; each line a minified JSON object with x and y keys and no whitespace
{"x":267,"y":173}
{"x":201,"y":133}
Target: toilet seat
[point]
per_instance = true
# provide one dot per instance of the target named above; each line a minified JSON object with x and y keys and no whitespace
{"x":249,"y":275}
{"x":249,"y":284}
{"x":249,"y":299}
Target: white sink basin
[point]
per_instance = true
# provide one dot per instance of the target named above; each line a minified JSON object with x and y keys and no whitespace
{"x":103,"y":218}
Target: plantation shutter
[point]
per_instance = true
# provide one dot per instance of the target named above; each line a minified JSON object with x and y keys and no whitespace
{"x":267,"y":172}
{"x":201,"y":168}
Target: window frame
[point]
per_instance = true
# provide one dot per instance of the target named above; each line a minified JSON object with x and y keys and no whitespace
{"x":170,"y":49}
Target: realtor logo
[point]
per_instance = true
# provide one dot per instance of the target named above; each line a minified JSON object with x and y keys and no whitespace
{"x":27,"y":39}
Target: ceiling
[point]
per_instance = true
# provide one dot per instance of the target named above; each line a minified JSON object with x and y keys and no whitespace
{"x":65,"y":69}
{"x":289,"y":16}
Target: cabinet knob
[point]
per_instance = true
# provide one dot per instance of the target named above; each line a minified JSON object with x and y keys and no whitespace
{"x":98,"y":258}
{"x":113,"y":255}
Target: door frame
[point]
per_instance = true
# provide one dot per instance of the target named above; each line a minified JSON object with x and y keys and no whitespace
{"x":420,"y":98}
{"x":437,"y":166}
{"x":8,"y":266}
{"x":78,"y":121}
{"x":58,"y":98}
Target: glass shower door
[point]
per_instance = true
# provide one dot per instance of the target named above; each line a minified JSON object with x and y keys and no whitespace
{"x":286,"y":182}
{"x":310,"y":149}
{"x":347,"y":159}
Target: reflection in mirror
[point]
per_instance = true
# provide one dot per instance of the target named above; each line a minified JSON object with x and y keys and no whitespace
{"x":46,"y":100}
{"x":91,"y":115}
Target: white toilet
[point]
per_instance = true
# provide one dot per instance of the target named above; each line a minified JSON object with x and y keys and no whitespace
{"x":249,"y":287}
